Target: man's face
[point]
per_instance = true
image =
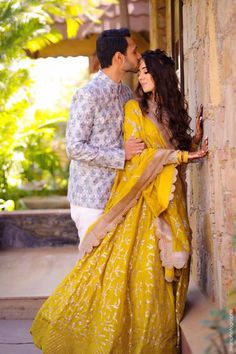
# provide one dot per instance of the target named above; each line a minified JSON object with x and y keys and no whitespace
{"x":131,"y":57}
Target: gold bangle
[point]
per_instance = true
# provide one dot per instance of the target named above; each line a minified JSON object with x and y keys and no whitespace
{"x":182,"y":156}
{"x":179,"y":156}
{"x":185,"y":156}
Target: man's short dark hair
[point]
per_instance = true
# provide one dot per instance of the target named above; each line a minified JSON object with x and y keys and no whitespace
{"x":109,"y":42}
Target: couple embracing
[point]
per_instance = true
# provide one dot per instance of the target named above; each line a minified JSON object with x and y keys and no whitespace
{"x":126,"y":294}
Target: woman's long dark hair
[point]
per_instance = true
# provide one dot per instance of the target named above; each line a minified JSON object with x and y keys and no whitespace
{"x":168,"y":96}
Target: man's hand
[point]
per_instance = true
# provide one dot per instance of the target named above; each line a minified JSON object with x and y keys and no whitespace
{"x":133,"y":146}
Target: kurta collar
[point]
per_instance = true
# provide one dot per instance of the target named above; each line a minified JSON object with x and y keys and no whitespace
{"x":114,"y":87}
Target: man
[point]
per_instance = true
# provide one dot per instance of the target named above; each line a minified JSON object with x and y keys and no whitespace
{"x":94,"y":132}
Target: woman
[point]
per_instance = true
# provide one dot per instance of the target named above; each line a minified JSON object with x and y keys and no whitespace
{"x":127,"y":292}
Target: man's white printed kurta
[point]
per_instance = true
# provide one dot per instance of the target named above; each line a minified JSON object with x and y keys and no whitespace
{"x":94,"y":140}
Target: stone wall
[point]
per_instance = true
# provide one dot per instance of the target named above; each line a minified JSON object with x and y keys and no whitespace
{"x":35,"y":228}
{"x":209,"y":33}
{"x":157,"y":9}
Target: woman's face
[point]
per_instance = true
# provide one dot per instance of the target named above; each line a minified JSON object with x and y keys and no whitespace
{"x":145,"y":79}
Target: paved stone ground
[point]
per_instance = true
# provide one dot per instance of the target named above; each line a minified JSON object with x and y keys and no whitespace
{"x":29,"y":273}
{"x":15,"y":337}
{"x":34,"y":271}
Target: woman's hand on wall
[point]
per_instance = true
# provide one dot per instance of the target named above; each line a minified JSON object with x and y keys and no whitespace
{"x":202,"y":152}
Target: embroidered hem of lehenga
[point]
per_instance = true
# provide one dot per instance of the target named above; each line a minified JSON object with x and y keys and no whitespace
{"x":114,"y":216}
{"x":170,"y":259}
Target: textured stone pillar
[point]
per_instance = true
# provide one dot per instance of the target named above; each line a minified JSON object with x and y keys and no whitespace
{"x":157,"y":24}
{"x":168,"y":27}
{"x":210,"y":79}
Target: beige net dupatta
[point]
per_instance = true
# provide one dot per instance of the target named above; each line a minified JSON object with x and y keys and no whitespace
{"x":171,"y":260}
{"x":111,"y":218}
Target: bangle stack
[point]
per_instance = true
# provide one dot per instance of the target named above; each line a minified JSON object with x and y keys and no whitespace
{"x":183,"y":156}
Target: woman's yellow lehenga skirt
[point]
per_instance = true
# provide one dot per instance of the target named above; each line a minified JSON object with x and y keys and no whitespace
{"x":116,"y":298}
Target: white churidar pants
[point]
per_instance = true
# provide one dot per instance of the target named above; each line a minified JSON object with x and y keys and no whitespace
{"x":83,"y":218}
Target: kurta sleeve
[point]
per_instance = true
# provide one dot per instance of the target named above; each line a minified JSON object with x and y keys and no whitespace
{"x":79,"y":129}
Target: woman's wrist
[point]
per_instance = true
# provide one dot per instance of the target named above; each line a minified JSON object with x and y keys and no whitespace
{"x":196,"y":139}
{"x":194,"y":145}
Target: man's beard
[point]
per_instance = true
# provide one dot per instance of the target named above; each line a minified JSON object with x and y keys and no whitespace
{"x":129,"y":68}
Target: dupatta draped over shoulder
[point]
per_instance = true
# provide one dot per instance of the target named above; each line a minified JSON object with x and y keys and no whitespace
{"x":152,"y":175}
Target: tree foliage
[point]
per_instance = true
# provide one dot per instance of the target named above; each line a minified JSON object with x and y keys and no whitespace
{"x":26,"y":139}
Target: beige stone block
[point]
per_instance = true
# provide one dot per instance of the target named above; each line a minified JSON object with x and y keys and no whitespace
{"x":205,"y":189}
{"x":219,"y":193}
{"x":226,"y":15}
{"x":190,"y":25}
{"x":195,"y":257}
{"x":230,"y":178}
{"x":230,"y":109}
{"x":204,"y":63}
{"x":201,"y":10}
{"x":186,"y":81}
{"x":194,"y":185}
{"x":191,"y":82}
{"x":219,"y":115}
{"x":190,"y":78}
{"x":186,"y":25}
{"x":226,"y":260}
{"x":188,"y":182}
{"x":217,"y":270}
{"x":233,"y":284}
{"x":194,"y":224}
{"x":214,"y":74}
{"x":228,"y":181}
{"x":207,"y":231}
{"x":228,"y":52}
{"x":201,"y":68}
{"x":192,"y":28}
